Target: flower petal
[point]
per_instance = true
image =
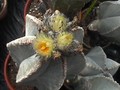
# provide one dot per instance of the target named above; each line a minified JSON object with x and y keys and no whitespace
{"x":21,"y":48}
{"x":58,"y":22}
{"x":44,"y":45}
{"x":64,"y":40}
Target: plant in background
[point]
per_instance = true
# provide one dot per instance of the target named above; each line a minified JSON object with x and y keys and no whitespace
{"x":66,"y":6}
{"x":108,"y":23}
{"x":51,"y":53}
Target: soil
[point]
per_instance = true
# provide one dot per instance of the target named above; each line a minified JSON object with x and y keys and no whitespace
{"x":36,"y":9}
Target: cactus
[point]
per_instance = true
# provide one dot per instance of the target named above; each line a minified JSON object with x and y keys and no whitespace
{"x":107,"y":23}
{"x":51,"y":54}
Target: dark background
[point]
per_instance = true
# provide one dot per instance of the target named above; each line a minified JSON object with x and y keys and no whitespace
{"x":11,"y":27}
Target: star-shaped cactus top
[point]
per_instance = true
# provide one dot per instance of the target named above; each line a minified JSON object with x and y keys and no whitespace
{"x":48,"y":54}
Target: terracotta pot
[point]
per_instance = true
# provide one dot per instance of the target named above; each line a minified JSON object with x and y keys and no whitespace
{"x":5,"y":72}
{"x":26,"y":8}
{"x":3,"y":10}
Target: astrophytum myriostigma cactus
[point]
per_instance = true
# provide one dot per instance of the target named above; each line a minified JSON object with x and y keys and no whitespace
{"x":108,"y":22}
{"x":97,"y":63}
{"x":97,"y":74}
{"x":45,"y":54}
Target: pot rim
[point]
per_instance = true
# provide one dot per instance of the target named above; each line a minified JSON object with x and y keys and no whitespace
{"x":4,"y":9}
{"x":26,"y":8}
{"x":5,"y":72}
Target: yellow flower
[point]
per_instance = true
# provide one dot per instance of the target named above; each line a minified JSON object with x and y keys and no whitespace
{"x":58,"y":22}
{"x":44,"y":45}
{"x":64,"y":39}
